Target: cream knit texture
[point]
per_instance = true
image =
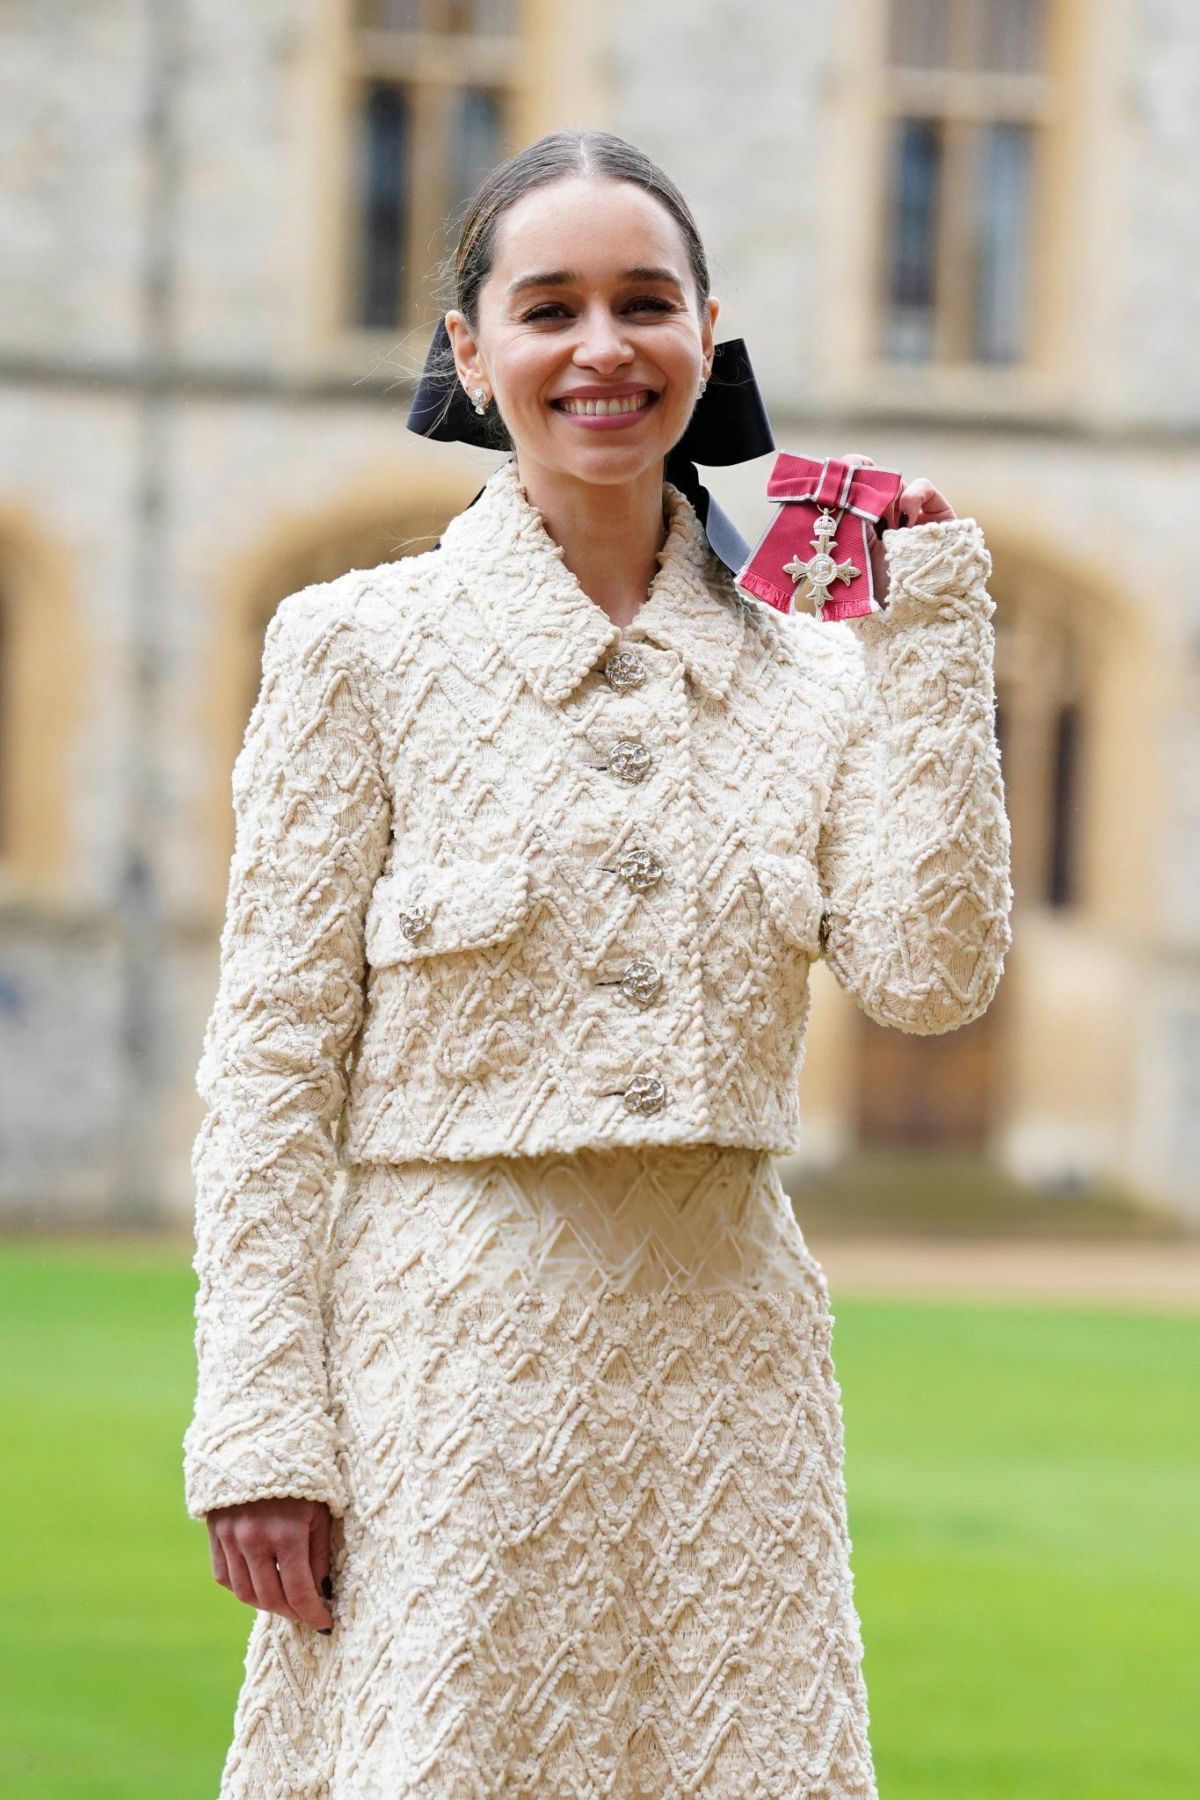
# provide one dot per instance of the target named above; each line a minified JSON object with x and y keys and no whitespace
{"x":596,"y":1540}
{"x":455,"y":834}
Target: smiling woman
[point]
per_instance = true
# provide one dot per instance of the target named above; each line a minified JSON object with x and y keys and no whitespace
{"x":592,"y":335}
{"x":539,"y":835}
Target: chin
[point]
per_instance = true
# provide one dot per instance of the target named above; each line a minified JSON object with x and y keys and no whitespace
{"x":617,"y":473}
{"x":607,"y":464}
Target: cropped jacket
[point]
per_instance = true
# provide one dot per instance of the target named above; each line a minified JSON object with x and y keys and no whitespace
{"x":509,"y":877}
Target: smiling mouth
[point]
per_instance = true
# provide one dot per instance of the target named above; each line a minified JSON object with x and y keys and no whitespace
{"x":606,"y":409}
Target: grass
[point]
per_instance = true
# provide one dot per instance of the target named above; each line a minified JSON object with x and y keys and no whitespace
{"x":1022,"y":1489}
{"x":1022,"y":1492}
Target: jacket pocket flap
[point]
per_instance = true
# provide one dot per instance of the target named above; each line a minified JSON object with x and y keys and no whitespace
{"x":792,"y":894}
{"x":425,"y":909}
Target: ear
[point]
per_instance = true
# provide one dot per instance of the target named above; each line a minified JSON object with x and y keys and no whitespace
{"x":706,"y":328}
{"x":466,"y":350}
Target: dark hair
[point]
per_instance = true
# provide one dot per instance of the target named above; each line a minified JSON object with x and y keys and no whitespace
{"x":590,"y":153}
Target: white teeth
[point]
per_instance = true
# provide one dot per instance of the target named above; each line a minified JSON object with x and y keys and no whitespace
{"x":601,"y":408}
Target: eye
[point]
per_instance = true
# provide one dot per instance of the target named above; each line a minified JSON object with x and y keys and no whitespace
{"x":653,"y":302}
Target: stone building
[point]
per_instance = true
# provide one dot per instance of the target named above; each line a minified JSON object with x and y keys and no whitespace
{"x":957,"y":235}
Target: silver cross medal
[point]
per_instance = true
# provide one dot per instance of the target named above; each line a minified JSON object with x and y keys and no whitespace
{"x":822,"y":568}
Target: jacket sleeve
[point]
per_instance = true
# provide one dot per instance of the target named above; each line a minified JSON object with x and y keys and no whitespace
{"x":914,"y":852}
{"x":312,"y":825}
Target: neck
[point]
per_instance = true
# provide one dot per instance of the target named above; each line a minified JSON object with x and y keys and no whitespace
{"x":610,"y":533}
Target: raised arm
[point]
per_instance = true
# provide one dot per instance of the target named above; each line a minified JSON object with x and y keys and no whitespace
{"x":312,"y":825}
{"x":914,"y":851}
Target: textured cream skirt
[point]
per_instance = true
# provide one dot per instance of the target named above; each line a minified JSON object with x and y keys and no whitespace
{"x":596,"y":1543}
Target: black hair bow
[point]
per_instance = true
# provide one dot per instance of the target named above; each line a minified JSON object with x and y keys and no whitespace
{"x":728,"y":425}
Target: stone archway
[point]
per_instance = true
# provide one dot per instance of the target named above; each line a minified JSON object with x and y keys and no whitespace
{"x":45,"y":660}
{"x":353,"y":537}
{"x":951,"y":1090}
{"x":390,"y":515}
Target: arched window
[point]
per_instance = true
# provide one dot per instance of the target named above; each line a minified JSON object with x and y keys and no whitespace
{"x":5,"y":721}
{"x":322,"y":554}
{"x":1042,"y":725}
{"x":387,"y":516}
{"x":1062,"y":884}
{"x":46,"y":665}
{"x":969,"y":99}
{"x":945,"y":1090}
{"x":433,"y":84}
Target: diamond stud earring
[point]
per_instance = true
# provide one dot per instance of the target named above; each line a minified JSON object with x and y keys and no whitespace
{"x":479,"y":397}
{"x":703,"y":385}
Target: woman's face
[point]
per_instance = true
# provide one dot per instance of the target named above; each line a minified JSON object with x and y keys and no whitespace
{"x":564,"y":313}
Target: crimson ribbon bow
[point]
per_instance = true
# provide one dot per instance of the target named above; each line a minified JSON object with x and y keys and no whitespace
{"x":818,"y":547}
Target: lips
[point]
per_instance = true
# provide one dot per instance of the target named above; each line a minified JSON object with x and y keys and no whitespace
{"x":626,"y":404}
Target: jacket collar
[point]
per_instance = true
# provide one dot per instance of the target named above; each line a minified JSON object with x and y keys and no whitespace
{"x":501,"y":551}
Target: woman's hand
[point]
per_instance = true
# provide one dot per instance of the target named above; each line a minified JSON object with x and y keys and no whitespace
{"x":274,"y":1554}
{"x":919,"y":503}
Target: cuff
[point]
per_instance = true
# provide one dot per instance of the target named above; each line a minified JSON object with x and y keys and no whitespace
{"x":937,"y":569}
{"x":241,"y":1459}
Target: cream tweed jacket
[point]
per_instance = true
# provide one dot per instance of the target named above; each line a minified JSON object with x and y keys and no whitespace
{"x":510,"y":878}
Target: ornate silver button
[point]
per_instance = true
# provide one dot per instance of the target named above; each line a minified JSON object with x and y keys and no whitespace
{"x":639,"y":868}
{"x":645,"y":1094}
{"x":623,"y":671}
{"x":413,"y":921}
{"x":629,"y":760}
{"x":640,"y":982}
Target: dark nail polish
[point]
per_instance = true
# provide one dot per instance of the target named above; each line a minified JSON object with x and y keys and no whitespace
{"x":325,"y":1630}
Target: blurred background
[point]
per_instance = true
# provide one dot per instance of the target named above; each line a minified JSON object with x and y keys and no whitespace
{"x":959,"y":236}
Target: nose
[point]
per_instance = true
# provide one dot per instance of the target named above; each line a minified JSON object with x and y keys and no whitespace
{"x":602,"y":344}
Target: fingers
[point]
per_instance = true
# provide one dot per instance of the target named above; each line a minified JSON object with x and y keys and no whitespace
{"x":924,"y":503}
{"x":318,"y":1544}
{"x":318,"y":1555}
{"x":915,"y":496}
{"x":220,"y":1567}
{"x":273,"y":1554}
{"x":240,"y":1582}
{"x":299,"y":1586}
{"x":917,"y":503}
{"x":258,"y":1544}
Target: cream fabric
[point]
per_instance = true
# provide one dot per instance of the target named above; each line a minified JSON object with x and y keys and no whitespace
{"x":438,"y":734}
{"x":629,"y":1219}
{"x":596,"y":1539}
{"x":491,"y":1253}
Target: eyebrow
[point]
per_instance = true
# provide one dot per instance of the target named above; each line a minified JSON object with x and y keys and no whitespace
{"x":564,"y":278}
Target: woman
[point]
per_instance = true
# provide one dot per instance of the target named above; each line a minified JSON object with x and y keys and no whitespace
{"x":528,"y":1449}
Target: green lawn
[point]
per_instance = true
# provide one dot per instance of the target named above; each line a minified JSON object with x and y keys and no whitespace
{"x":1023,"y":1487}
